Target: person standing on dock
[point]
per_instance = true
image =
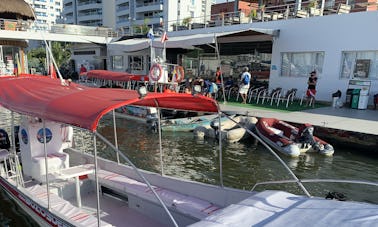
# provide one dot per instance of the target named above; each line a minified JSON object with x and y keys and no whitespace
{"x":311,"y":89}
{"x":244,"y":84}
{"x":218,"y":74}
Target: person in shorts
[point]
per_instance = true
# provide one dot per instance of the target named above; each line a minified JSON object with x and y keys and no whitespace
{"x":244,"y":84}
{"x":311,"y":88}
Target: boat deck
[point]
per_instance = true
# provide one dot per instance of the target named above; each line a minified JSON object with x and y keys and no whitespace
{"x":354,"y":120}
{"x":116,"y":212}
{"x":278,"y":208}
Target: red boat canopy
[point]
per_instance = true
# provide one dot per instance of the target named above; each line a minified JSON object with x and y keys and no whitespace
{"x":115,"y":76}
{"x":81,"y":106}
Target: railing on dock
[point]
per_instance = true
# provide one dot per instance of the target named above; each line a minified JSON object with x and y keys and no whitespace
{"x":256,"y":14}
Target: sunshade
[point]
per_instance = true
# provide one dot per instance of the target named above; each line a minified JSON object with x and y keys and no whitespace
{"x":81,"y":106}
{"x":115,"y":76}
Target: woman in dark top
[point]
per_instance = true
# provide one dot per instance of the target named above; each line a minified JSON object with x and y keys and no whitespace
{"x":311,"y":89}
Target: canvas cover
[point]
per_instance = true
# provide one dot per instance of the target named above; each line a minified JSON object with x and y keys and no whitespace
{"x":81,"y":106}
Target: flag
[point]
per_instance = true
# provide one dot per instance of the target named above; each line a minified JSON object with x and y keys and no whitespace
{"x":164,"y":37}
{"x":150,"y":34}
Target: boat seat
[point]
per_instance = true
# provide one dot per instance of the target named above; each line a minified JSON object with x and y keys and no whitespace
{"x":69,"y":212}
{"x":56,"y":161}
{"x":185,"y":204}
{"x":276,"y":131}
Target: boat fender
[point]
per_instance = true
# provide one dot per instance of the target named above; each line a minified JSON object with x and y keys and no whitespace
{"x":156,"y":72}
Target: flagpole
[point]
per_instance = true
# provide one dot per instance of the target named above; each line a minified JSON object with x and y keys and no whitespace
{"x":164,"y":51}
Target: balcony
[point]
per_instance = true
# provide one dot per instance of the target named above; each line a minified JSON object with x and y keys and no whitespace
{"x":148,"y":7}
{"x":89,"y":17}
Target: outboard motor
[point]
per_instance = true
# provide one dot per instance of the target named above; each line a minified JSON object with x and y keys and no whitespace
{"x":307,"y":136}
{"x":4,"y":140}
{"x":214,"y":124}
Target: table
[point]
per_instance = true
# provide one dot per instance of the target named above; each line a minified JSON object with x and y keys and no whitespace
{"x":75,"y":172}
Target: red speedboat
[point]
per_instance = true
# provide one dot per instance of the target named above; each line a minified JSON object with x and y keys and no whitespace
{"x":291,"y":140}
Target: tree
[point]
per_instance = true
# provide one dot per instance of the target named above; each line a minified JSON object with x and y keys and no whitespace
{"x":37,"y":57}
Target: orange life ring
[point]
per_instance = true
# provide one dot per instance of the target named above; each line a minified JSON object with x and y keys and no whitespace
{"x":179,"y":75}
{"x":156,"y":72}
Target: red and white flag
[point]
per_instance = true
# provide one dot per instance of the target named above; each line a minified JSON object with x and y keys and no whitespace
{"x":164,"y":37}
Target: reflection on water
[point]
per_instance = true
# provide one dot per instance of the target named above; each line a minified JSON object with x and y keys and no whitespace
{"x":244,"y":163}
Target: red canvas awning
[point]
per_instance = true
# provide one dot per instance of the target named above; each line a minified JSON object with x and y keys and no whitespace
{"x":81,"y":106}
{"x":115,"y":76}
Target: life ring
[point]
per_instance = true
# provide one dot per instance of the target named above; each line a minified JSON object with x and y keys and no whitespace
{"x":156,"y":72}
{"x":179,"y":75}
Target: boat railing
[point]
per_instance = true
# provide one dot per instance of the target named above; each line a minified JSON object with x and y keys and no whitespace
{"x":120,"y":154}
{"x":315,"y":181}
{"x":295,"y":178}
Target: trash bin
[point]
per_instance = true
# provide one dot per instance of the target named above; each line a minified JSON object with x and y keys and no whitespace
{"x":355,"y":98}
{"x":348,"y":100}
{"x":375,"y":101}
{"x":335,"y":98}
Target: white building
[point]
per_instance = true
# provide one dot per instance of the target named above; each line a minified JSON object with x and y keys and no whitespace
{"x":130,"y":15}
{"x":89,"y":12}
{"x":46,"y":11}
{"x":341,"y":48}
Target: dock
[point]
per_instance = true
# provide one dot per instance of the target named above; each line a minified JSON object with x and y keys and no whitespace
{"x":354,"y":120}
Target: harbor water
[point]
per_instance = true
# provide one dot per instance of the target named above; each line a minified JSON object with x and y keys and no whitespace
{"x":244,"y":163}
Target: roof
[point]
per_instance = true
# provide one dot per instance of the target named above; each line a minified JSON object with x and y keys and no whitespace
{"x":81,"y":106}
{"x":15,"y":9}
{"x":189,"y":41}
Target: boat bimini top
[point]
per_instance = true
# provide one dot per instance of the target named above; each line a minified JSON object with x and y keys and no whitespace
{"x":73,"y":104}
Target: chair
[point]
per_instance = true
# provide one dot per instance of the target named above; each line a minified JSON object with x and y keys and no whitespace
{"x":343,"y":8}
{"x":304,"y":95}
{"x":288,"y":97}
{"x":253,"y":93}
{"x":301,"y":13}
{"x":269,"y":95}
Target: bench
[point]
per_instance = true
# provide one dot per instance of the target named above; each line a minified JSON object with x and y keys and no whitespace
{"x":185,"y":204}
{"x":70,"y":213}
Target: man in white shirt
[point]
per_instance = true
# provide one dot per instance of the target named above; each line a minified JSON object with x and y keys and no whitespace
{"x":244,"y":84}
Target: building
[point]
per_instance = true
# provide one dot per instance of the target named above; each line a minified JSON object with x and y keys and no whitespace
{"x":46,"y":11}
{"x":97,"y":13}
{"x":342,"y":59}
{"x":132,"y":16}
{"x":15,"y":15}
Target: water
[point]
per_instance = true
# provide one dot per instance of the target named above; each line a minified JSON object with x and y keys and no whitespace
{"x":244,"y":164}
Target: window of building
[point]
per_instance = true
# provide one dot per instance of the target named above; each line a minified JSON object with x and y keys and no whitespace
{"x":300,"y":64}
{"x":359,"y":65}
{"x":136,"y":63}
{"x":117,"y":62}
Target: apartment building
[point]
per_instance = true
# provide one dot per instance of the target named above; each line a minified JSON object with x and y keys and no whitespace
{"x":89,"y":12}
{"x":128,"y":16}
{"x":46,"y":12}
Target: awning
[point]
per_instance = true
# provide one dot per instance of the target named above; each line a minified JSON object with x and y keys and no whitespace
{"x":81,"y":106}
{"x":131,"y":45}
{"x":115,"y":76}
{"x":248,"y":35}
{"x":190,"y":41}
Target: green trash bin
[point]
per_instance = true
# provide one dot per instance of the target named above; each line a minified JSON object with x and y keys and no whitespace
{"x":355,"y":98}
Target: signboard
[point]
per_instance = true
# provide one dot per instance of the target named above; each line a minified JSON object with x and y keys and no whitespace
{"x":361,"y":69}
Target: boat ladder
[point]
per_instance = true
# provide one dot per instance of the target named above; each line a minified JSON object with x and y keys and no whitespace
{"x":14,"y":171}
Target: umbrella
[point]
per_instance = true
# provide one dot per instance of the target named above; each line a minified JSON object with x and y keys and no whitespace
{"x":15,"y":9}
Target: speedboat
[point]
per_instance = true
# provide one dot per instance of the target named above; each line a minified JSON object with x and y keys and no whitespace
{"x":59,"y":185}
{"x":291,"y":140}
